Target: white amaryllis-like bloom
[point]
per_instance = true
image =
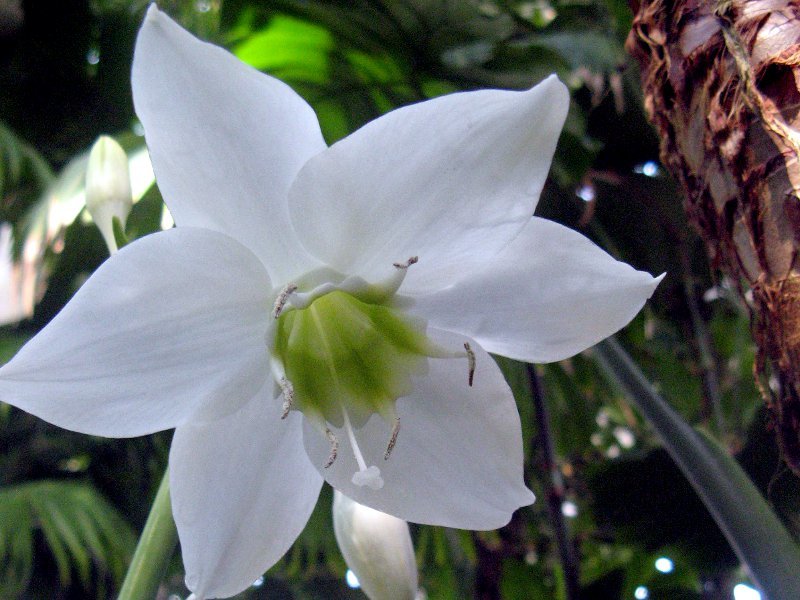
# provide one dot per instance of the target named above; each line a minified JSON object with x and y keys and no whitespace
{"x":313,"y":298}
{"x":377,"y":547}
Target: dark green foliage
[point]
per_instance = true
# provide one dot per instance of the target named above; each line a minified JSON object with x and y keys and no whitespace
{"x":84,"y":535}
{"x":649,"y":503}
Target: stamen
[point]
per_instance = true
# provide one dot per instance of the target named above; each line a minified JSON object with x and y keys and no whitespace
{"x":411,"y":261}
{"x":393,"y":439}
{"x":334,"y":447}
{"x":470,"y":362}
{"x":288,"y":396}
{"x":370,"y":477}
{"x":280,"y":301}
{"x":304,"y":300}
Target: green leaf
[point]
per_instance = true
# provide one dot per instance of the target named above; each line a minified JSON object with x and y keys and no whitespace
{"x":22,"y":169}
{"x":741,"y":512}
{"x":290,"y":49}
{"x":82,"y":531}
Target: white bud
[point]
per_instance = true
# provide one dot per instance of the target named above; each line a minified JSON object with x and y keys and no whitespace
{"x":377,"y":547}
{"x":108,"y":187}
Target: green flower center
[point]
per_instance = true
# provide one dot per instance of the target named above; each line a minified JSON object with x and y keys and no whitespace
{"x":343,"y":354}
{"x":345,"y":351}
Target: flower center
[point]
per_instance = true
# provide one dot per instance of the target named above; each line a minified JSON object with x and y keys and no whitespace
{"x":344,"y":351}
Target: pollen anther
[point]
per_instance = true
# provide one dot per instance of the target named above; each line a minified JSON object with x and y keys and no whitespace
{"x":411,"y":261}
{"x":334,"y":448}
{"x":392,"y":439}
{"x":280,"y":301}
{"x":288,"y":396}
{"x":470,"y":363}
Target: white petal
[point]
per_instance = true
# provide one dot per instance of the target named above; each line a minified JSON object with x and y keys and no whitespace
{"x":170,"y":328}
{"x":442,"y":180}
{"x":377,"y":547}
{"x":226,"y":141}
{"x":458,"y":460}
{"x":549,"y":295}
{"x":242,"y":491}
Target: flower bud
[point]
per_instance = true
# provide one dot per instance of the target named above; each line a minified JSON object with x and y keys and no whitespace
{"x":108,"y":188}
{"x":377,"y":547}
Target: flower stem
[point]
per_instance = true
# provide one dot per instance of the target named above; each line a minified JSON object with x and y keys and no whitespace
{"x":154,"y":551}
{"x":554,"y":487}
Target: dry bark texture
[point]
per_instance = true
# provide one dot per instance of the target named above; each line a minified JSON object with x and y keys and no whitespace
{"x":722,"y":86}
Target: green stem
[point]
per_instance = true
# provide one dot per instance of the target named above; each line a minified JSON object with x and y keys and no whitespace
{"x":554,"y":487}
{"x":154,"y":551}
{"x":751,"y":527}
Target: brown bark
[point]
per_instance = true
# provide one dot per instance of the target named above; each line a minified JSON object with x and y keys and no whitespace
{"x":722,"y":87}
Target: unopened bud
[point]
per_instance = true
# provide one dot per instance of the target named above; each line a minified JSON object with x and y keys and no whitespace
{"x":108,"y":188}
{"x":377,"y":547}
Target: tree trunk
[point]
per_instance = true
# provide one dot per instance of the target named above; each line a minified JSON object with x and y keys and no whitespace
{"x":722,"y":86}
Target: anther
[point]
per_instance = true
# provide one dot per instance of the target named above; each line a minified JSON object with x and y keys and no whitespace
{"x":288,"y":396}
{"x":393,"y":439}
{"x":470,"y":362}
{"x":280,"y":301}
{"x":334,"y":447}
{"x":411,"y":261}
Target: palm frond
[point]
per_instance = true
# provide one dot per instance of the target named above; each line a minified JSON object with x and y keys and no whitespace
{"x":84,"y":534}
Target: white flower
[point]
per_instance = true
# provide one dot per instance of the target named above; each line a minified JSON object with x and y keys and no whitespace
{"x":377,"y":547}
{"x":108,"y":187}
{"x":200,"y":328}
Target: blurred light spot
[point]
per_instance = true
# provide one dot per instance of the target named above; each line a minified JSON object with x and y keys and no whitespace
{"x":137,"y":128}
{"x":202,"y":6}
{"x":774,"y":384}
{"x":649,"y":329}
{"x":596,"y":439}
{"x":141,"y":171}
{"x":174,"y":597}
{"x":664,"y":565}
{"x":613,"y":451}
{"x":624,"y":436}
{"x":351,"y":579}
{"x":489,"y":9}
{"x":602,"y":418}
{"x":641,"y":593}
{"x":531,"y":558}
{"x":569,"y":509}
{"x":167,"y":222}
{"x":258,"y":582}
{"x":540,"y":12}
{"x":467,"y":55}
{"x":75,"y":464}
{"x":745,"y":592}
{"x":648,"y":169}
{"x":93,"y":56}
{"x":586,"y":192}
